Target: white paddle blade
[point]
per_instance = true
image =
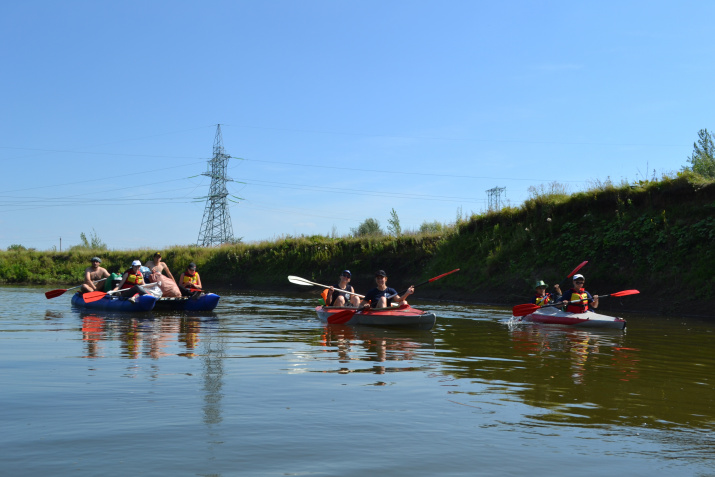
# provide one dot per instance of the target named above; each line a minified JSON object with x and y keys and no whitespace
{"x":300,"y":281}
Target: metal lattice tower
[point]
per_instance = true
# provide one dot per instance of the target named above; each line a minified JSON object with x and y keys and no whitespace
{"x":495,"y":198}
{"x":216,"y":228}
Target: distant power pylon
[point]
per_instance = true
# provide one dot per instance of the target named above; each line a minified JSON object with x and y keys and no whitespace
{"x":495,"y":198}
{"x":216,"y":228}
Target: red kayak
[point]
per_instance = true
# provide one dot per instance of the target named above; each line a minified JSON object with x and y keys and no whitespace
{"x":393,"y":317}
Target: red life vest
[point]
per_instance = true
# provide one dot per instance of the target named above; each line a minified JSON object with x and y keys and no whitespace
{"x":133,"y":278}
{"x":579,"y":294}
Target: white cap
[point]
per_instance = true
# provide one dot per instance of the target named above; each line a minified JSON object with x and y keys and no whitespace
{"x":577,"y":276}
{"x":136,"y":263}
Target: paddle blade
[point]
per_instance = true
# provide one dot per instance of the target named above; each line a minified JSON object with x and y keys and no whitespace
{"x":93,"y":296}
{"x":443,"y":275}
{"x":54,"y":293}
{"x":298,"y":280}
{"x":625,"y":292}
{"x":525,"y":309}
{"x":341,"y":317}
{"x":576,"y":269}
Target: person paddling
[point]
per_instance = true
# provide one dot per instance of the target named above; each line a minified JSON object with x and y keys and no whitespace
{"x":382,"y":295}
{"x":132,"y":279}
{"x":542,"y":298}
{"x":580,"y":295}
{"x":190,"y":282}
{"x":94,"y":275}
{"x":336,"y":297}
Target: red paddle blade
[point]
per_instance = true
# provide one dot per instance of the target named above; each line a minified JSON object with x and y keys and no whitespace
{"x":625,"y":292}
{"x":576,"y":269}
{"x":93,"y":296}
{"x":525,"y":309}
{"x":54,"y":293}
{"x":443,"y":275}
{"x":341,"y":317}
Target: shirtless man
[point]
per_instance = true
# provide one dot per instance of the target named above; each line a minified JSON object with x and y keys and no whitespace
{"x":94,"y":277}
{"x":156,"y":265}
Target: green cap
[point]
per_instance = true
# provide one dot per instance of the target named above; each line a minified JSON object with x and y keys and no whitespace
{"x":540,"y":284}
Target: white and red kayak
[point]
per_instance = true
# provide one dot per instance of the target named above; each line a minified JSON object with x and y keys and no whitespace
{"x":589,"y":319}
{"x":396,"y":316}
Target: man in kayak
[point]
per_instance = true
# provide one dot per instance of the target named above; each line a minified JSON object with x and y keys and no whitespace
{"x":190,"y":282}
{"x":131,"y":283}
{"x":580,"y":296}
{"x":94,"y":277}
{"x":542,"y":298}
{"x":336,"y":297}
{"x":382,"y":295}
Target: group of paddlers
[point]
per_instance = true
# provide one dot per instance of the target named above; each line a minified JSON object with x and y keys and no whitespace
{"x":576,"y":299}
{"x":131,"y":283}
{"x":343,"y":294}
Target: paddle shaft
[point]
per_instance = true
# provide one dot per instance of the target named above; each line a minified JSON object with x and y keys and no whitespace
{"x":61,"y":291}
{"x":425,"y":283}
{"x":304,"y":282}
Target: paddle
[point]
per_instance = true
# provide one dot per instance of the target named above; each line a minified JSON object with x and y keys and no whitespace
{"x":304,"y":282}
{"x":93,"y":296}
{"x":575,"y":270}
{"x":428,"y":281}
{"x":344,"y":316}
{"x":61,"y":291}
{"x":529,"y":308}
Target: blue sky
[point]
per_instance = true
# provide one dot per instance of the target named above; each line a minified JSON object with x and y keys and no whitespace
{"x":338,"y":110}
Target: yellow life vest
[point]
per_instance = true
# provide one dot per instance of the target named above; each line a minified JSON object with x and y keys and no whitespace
{"x":190,"y":279}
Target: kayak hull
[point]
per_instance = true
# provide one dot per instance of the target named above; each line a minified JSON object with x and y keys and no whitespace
{"x":395,"y":317}
{"x":205,"y":302}
{"x":589,"y":319}
{"x":115,"y":303}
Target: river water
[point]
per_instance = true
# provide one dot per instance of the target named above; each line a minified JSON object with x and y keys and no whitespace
{"x":260,"y":388}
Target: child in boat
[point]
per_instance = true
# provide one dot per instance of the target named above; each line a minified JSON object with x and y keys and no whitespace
{"x":340,"y":298}
{"x":190,"y":282}
{"x":382,"y":296}
{"x":542,"y":298}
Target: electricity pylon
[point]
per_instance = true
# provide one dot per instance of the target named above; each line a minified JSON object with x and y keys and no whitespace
{"x":216,"y":228}
{"x":495,"y":198}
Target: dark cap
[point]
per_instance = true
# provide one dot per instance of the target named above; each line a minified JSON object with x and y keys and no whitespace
{"x":346,"y":273}
{"x":192,"y":265}
{"x":380,"y":273}
{"x":96,"y":259}
{"x":157,"y":254}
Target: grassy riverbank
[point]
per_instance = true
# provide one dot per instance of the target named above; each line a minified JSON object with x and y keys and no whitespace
{"x":658,"y":237}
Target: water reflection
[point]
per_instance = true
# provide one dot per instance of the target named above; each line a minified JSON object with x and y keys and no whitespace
{"x":353,"y":343}
{"x":145,"y":335}
{"x":580,"y":347}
